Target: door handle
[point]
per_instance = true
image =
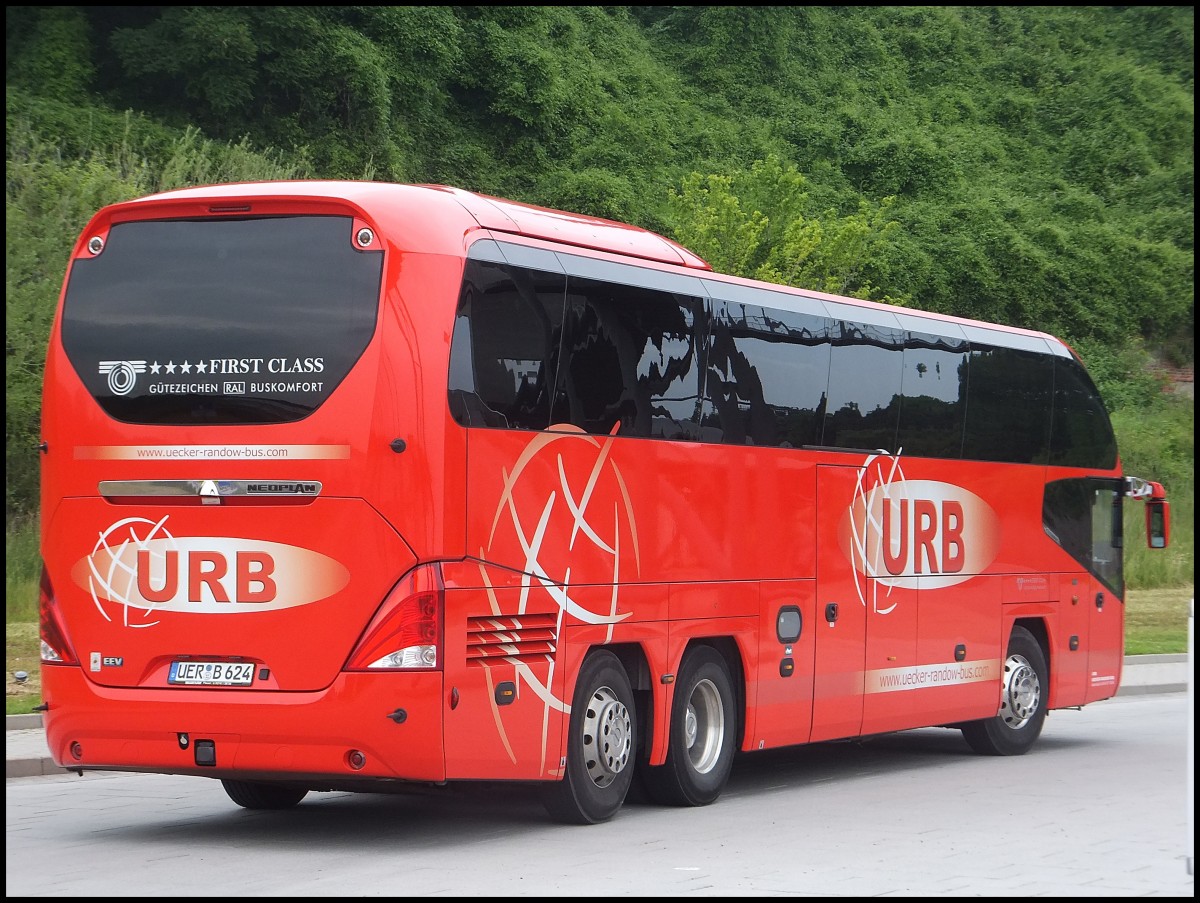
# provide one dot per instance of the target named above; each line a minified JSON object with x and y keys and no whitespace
{"x":831,"y":612}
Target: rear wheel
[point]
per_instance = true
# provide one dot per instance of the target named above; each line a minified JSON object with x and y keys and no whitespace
{"x":600,"y":746}
{"x":701,"y":746}
{"x":1022,"y":702}
{"x":263,"y":795}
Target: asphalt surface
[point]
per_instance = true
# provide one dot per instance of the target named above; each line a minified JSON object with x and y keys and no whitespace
{"x":1098,"y":811}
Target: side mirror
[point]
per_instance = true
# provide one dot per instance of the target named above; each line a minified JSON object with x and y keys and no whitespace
{"x":1158,"y":523}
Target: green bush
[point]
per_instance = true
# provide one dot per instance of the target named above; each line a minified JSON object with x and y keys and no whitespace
{"x":22,"y":569}
{"x":51,"y":193}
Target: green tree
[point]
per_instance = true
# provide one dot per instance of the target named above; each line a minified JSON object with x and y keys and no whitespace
{"x":757,"y":224}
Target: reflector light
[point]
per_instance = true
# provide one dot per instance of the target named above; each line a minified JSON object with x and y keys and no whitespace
{"x":406,"y":631}
{"x":54,"y":645}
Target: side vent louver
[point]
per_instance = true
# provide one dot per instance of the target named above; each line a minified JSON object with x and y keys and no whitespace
{"x":529,"y":638}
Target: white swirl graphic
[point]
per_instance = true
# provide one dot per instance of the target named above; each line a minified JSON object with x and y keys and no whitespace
{"x":548,"y":530}
{"x":112,"y":574}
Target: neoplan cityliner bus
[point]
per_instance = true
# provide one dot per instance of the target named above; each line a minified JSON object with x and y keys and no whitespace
{"x":352,"y":485}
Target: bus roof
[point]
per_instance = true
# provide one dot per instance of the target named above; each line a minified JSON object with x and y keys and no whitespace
{"x":492,"y":213}
{"x":465,"y":211}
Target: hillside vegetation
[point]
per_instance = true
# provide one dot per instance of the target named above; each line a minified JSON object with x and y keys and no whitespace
{"x":1025,"y":165}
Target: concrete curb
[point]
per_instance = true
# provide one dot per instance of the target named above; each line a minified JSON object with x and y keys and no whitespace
{"x":1143,"y":674}
{"x":1152,"y":688}
{"x":31,"y":768}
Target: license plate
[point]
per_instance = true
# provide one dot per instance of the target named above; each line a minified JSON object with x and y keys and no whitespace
{"x":212,"y":674}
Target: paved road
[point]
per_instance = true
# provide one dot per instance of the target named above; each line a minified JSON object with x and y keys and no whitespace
{"x":1097,"y":809}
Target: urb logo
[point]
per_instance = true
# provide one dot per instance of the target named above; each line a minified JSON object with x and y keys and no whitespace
{"x":122,"y":375}
{"x":138,"y":570}
{"x":915,"y":533}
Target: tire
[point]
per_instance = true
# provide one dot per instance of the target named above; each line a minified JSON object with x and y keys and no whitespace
{"x":601,"y":744}
{"x":1022,"y":702}
{"x":700,"y":749}
{"x":262,"y":795}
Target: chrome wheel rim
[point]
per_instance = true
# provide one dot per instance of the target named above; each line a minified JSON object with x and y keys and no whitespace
{"x":1022,"y":692}
{"x":607,"y":737}
{"x":704,"y":727}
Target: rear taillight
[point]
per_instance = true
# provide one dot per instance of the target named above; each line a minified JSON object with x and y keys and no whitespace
{"x":55,"y":648}
{"x":406,"y":632}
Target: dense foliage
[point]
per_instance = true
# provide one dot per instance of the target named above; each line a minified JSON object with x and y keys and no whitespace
{"x":1027,"y":165}
{"x":1038,"y":160}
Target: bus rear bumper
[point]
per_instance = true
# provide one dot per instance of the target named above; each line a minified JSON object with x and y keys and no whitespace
{"x":337,"y":734}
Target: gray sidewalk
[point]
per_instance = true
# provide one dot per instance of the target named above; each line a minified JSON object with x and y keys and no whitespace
{"x":26,"y":754}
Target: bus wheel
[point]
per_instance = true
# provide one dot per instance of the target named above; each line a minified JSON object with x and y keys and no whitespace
{"x":600,"y":746}
{"x":700,"y":749}
{"x":1022,"y":702}
{"x":262,"y":795}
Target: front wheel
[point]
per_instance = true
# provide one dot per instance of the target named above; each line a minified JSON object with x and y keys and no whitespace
{"x":1022,"y":702}
{"x":701,"y":745}
{"x":262,"y":795}
{"x":600,"y":746}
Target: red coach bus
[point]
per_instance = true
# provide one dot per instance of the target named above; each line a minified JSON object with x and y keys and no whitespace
{"x":351,"y":486}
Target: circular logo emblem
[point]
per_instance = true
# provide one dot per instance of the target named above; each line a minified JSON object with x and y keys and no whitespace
{"x":112,"y":568}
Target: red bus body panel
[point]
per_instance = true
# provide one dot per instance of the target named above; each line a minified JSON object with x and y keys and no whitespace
{"x":549,"y":543}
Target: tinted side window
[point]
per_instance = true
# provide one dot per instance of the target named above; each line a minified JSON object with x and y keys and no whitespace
{"x":935,"y":396}
{"x":864,"y":386}
{"x":630,"y":361}
{"x":220,"y":321}
{"x":503,"y":357}
{"x":1084,"y":516}
{"x":767,"y":376}
{"x":1082,"y":435}
{"x":1008,"y":405}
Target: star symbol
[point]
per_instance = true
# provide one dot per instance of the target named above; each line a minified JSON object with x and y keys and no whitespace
{"x":185,"y":367}
{"x":200,"y":367}
{"x":155,"y":367}
{"x":170,"y":366}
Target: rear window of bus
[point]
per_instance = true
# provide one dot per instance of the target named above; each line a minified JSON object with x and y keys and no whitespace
{"x":220,"y":321}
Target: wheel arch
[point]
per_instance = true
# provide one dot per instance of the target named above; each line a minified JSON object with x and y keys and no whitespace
{"x":636,"y":662}
{"x":727,"y":648}
{"x":1037,"y":627}
{"x":652,"y":696}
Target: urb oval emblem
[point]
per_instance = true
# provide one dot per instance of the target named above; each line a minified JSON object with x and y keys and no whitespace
{"x":901,"y":532}
{"x":138,"y":570}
